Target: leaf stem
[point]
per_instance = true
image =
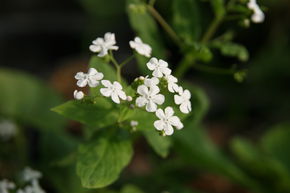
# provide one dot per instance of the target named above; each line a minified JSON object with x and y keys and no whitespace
{"x":152,"y":2}
{"x":127,"y":60}
{"x":187,"y":61}
{"x":117,"y":66}
{"x":164,"y":24}
{"x":211,"y":30}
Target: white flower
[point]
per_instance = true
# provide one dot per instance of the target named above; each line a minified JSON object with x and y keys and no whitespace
{"x":159,"y":67}
{"x":149,"y":97}
{"x":6,"y":185}
{"x":171,"y":81}
{"x":151,"y":81}
{"x":140,"y":47}
{"x":92,"y":78}
{"x":7,"y":130}
{"x":113,"y":90}
{"x":183,"y":99}
{"x":78,"y":95}
{"x":134,"y":123}
{"x":167,"y":121}
{"x":102,"y":45}
{"x":258,"y":15}
{"x":29,"y":174}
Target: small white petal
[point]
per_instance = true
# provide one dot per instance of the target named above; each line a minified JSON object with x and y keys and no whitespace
{"x":160,"y":114}
{"x":142,"y":90}
{"x":141,"y":101}
{"x":122,"y":95}
{"x":115,"y":97}
{"x":82,"y":82}
{"x":151,"y":106}
{"x":78,"y":95}
{"x":169,"y":111}
{"x":168,"y":129}
{"x":80,"y":75}
{"x":159,"y":99}
{"x":106,"y":92}
{"x":117,"y":85}
{"x":178,"y":99}
{"x":159,"y":125}
{"x":184,"y":108}
{"x":106,"y":83}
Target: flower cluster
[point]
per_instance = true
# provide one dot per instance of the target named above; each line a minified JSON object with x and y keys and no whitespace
{"x":29,"y":176}
{"x":149,"y":93}
{"x":258,"y":15}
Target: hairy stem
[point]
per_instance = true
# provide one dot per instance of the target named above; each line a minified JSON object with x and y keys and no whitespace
{"x":164,"y":24}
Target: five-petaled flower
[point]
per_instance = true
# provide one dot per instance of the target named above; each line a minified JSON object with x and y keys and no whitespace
{"x":183,"y":99}
{"x":78,"y":95}
{"x":167,"y":121}
{"x":92,"y":78}
{"x":103,"y":45}
{"x":113,"y":90}
{"x":159,"y":67}
{"x":258,"y":15}
{"x":140,"y":47}
{"x":149,"y":96}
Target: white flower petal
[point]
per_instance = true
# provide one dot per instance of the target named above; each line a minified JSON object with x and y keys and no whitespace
{"x":178,"y":99}
{"x":82,"y":82}
{"x":142,"y":90}
{"x":141,"y":101}
{"x":106,"y":92}
{"x":115,"y":97}
{"x":151,"y":106}
{"x":159,"y":99}
{"x":80,"y":75}
{"x":184,"y":108}
{"x":106,"y":83}
{"x":168,"y":129}
{"x":117,"y":85}
{"x":153,"y":90}
{"x":122,"y":95}
{"x":160,"y":114}
{"x":157,"y":73}
{"x":159,"y":125}
{"x":169,"y":111}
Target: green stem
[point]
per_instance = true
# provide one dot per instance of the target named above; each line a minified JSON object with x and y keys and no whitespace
{"x":117,"y":66}
{"x":184,"y":65}
{"x":164,"y":24}
{"x":211,"y":30}
{"x":152,"y":2}
{"x":127,"y":60}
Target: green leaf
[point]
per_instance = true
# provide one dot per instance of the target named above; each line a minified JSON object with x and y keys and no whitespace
{"x":276,"y":142}
{"x":146,"y":28}
{"x":160,"y":144}
{"x":266,"y":169}
{"x":186,"y":23}
{"x":98,"y":113}
{"x":101,"y":160}
{"x":28,"y":100}
{"x":232,"y":50}
{"x":218,"y":8}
